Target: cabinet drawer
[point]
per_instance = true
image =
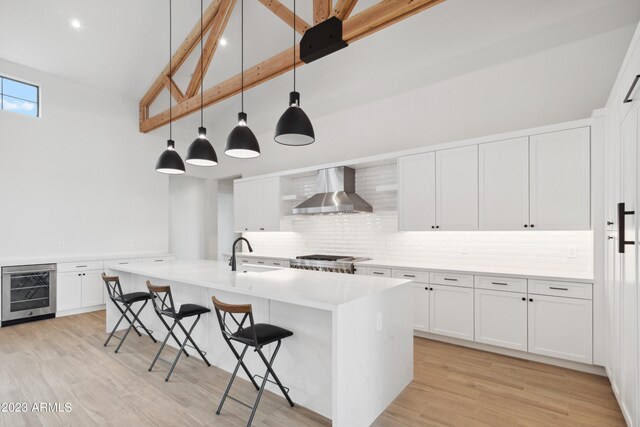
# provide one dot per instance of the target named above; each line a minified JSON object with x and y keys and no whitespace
{"x":80,"y":266}
{"x":245,"y":260}
{"x":278,"y":263}
{"x":116,"y":262}
{"x":510,"y":284}
{"x":379,"y":272}
{"x":416,"y":276}
{"x":452,"y":279}
{"x":561,"y":289}
{"x":159,"y":259}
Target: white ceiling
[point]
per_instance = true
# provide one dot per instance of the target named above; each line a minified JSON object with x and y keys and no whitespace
{"x":123,"y":44}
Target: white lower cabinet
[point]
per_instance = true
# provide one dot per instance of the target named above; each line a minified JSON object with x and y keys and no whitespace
{"x":451,"y":311}
{"x":420,"y":293}
{"x":69,"y":291}
{"x":561,"y":327}
{"x":92,"y":289}
{"x":501,"y":318}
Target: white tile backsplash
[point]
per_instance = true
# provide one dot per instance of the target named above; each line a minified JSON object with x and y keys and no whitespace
{"x":376,"y":236}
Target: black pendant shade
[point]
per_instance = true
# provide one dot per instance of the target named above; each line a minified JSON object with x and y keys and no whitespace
{"x":201,"y":152}
{"x":169,"y":161}
{"x":242,"y":143}
{"x":294,"y":127}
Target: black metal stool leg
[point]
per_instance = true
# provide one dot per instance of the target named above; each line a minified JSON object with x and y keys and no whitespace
{"x":124,"y":313}
{"x":135,"y":318}
{"x":273,"y":374}
{"x":255,"y":405}
{"x":115,"y":328}
{"x":149,"y":333}
{"x":175,"y":362}
{"x":192,"y":342}
{"x":170,"y":333}
{"x":233,"y":377}
{"x":246,"y":370}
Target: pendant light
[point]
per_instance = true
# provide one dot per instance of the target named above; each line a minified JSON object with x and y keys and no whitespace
{"x":294,"y":127}
{"x":170,"y":161}
{"x":201,"y":152}
{"x":242,"y":143}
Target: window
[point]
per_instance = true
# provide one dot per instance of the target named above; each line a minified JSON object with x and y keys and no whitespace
{"x":19,"y":97}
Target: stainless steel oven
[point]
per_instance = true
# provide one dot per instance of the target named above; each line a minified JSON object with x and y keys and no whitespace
{"x":28,"y":293}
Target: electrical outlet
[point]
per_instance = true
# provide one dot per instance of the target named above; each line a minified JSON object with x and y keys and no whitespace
{"x":464,"y":250}
{"x":389,"y":246}
{"x":572,"y":252}
{"x":378,"y":322}
{"x":61,"y":244}
{"x":131,"y":244}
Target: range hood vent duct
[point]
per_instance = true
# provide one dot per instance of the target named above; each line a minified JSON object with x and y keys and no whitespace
{"x":336,"y":193}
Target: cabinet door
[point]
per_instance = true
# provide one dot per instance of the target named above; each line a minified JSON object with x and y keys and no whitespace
{"x":269,"y":211}
{"x":560,"y":174}
{"x":561,"y":327}
{"x":241,"y":206}
{"x":420,"y":292}
{"x":457,"y":188}
{"x":451,"y":311}
{"x":417,"y":192}
{"x":504,"y":184}
{"x":92,"y":289}
{"x":253,"y":205}
{"x":69,"y":291}
{"x":501,"y":318}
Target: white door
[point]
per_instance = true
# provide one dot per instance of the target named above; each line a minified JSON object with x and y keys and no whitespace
{"x":69,"y":291}
{"x":629,"y":264}
{"x":560,"y":180}
{"x":451,"y":311}
{"x":501,"y":318}
{"x":92,"y":289}
{"x":457,"y":188}
{"x":561,"y":327}
{"x":269,"y":212}
{"x":504,"y":184}
{"x":420,"y":306}
{"x":417,"y":192}
{"x":241,"y":206}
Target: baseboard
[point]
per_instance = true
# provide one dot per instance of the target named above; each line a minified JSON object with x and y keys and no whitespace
{"x":576,"y":366}
{"x":80,"y":310}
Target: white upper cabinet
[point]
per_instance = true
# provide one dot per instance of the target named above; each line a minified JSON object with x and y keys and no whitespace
{"x":457,"y":188}
{"x":258,"y":204}
{"x":560,"y":180}
{"x":504,"y":184}
{"x":417,"y":192}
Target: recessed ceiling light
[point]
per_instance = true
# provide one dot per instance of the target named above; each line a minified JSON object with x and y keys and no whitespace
{"x":223,"y":42}
{"x":76,"y":24}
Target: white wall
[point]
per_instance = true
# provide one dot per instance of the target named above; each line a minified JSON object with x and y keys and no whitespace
{"x":79,"y":180}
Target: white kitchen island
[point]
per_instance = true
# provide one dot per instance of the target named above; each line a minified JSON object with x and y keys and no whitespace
{"x":352,"y":349}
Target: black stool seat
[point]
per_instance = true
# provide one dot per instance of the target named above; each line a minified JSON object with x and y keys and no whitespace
{"x":265,"y":333}
{"x":134,"y":297}
{"x":187,"y":310}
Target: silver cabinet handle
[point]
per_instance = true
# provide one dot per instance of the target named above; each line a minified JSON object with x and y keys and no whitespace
{"x":379,"y":273}
{"x":122,"y":263}
{"x":500,"y":283}
{"x":81,"y":266}
{"x":260,"y":262}
{"x":451,"y":280}
{"x":558,"y":289}
{"x":409,"y":275}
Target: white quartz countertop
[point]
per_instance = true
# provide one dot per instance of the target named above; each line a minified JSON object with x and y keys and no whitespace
{"x":494,"y":271}
{"x":80,"y":258}
{"x":325,"y":291}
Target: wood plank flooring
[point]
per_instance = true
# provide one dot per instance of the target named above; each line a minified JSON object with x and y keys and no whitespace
{"x":63,"y":360}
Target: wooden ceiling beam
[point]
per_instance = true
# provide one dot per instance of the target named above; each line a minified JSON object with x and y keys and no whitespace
{"x":321,"y":10}
{"x":173,"y":89}
{"x":356,"y":27}
{"x":181,"y":54}
{"x":343,"y":9}
{"x":284,"y":13}
{"x":218,"y":26}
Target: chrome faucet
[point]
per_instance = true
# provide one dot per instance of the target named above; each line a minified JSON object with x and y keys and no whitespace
{"x":232,"y":261}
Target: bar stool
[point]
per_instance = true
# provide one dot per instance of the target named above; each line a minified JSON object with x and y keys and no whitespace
{"x":253,"y":335}
{"x":114,"y":290}
{"x":164,"y":306}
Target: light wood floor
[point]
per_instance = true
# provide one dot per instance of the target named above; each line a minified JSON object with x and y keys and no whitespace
{"x":63,"y":360}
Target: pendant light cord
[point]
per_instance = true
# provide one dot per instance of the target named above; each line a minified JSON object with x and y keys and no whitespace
{"x":201,"y":66}
{"x":294,"y":45}
{"x":170,"y":76}
{"x":242,"y":54}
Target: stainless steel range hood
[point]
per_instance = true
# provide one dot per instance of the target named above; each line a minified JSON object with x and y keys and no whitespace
{"x":336,"y":193}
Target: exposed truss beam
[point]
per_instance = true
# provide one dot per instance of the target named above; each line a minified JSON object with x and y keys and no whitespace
{"x":284,"y":13}
{"x":218,"y":25}
{"x":181,"y":55}
{"x":321,"y":10}
{"x":174,"y":89}
{"x":343,"y":9}
{"x":376,"y":17}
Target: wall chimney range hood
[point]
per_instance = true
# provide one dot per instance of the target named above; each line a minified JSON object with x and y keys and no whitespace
{"x":336,"y":193}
